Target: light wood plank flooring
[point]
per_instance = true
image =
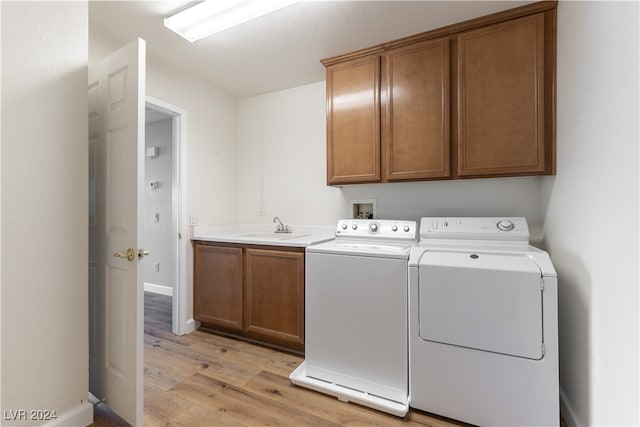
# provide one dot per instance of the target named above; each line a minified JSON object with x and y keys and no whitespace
{"x":202,"y":379}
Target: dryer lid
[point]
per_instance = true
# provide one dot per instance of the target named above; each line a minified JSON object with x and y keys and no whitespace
{"x":484,"y":301}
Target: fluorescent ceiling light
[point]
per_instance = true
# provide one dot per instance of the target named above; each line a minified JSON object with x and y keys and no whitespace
{"x":208,"y":17}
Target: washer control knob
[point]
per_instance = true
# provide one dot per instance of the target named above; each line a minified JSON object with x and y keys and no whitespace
{"x":354,"y":226}
{"x":344,"y":226}
{"x":506,"y":225}
{"x":406,"y":228}
{"x":394,"y":227}
{"x":374,"y":227}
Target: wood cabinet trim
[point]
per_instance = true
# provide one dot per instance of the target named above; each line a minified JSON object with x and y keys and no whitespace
{"x":449,"y":30}
{"x":550,"y":50}
{"x":249,"y":246}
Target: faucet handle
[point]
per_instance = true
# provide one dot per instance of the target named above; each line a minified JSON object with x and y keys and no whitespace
{"x":280,"y":227}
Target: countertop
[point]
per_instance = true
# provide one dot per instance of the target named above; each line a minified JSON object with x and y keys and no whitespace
{"x":263,"y":234}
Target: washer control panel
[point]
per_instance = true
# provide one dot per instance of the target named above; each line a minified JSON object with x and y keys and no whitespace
{"x":484,"y":228}
{"x":377,"y":229}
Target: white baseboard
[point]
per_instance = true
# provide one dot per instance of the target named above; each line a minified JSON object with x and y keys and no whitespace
{"x":80,"y":416}
{"x":192,"y":325}
{"x":568,"y":412}
{"x":158,"y":289}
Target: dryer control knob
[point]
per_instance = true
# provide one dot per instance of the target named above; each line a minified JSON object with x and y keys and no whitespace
{"x":506,"y":225}
{"x":354,"y":226}
{"x":394,"y":228}
{"x":344,"y":226}
{"x":406,"y":228}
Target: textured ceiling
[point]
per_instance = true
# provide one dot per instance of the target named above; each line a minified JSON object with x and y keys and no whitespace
{"x":283,"y":49}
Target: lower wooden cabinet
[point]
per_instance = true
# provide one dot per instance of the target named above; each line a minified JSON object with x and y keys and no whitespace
{"x":274,"y":296}
{"x":256,"y":292}
{"x":218,"y":292}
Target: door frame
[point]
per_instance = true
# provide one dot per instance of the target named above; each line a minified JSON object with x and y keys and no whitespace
{"x":180,"y":324}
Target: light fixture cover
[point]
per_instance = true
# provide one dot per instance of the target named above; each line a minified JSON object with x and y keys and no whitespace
{"x":208,"y":17}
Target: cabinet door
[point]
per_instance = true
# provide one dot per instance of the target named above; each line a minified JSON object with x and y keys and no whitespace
{"x":501,"y":99}
{"x":353,"y":121}
{"x":218,"y":286}
{"x":416,"y":127}
{"x":274,"y":304}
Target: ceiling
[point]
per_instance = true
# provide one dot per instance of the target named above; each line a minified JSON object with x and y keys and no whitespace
{"x":283,"y":49}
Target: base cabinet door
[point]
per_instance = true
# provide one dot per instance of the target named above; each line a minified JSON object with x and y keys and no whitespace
{"x":274,"y":299}
{"x":218,"y":290}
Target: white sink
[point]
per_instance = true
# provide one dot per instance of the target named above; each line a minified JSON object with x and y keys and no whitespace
{"x":274,"y":236}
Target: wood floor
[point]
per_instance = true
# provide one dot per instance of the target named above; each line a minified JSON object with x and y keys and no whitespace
{"x":203,"y":379}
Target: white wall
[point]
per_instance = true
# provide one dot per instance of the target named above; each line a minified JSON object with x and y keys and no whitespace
{"x":44,"y":211}
{"x":591,"y":223}
{"x":282,"y":167}
{"x":281,"y":159}
{"x":158,"y":236}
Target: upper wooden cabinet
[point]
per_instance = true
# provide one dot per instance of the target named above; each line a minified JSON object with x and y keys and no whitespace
{"x":473,"y":99}
{"x":353,"y":121}
{"x":415,"y":137}
{"x":501,"y":98}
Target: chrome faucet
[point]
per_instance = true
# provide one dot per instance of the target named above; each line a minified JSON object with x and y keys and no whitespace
{"x":281,"y":228}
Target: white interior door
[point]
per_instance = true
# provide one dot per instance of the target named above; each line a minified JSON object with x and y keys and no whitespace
{"x":116,"y":174}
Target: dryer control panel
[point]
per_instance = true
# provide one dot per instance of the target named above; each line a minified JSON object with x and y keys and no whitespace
{"x":512,"y":229}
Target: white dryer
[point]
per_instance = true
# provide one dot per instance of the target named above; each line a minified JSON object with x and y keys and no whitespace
{"x":483,"y":335}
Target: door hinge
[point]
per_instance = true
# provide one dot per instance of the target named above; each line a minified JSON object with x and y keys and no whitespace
{"x":179,"y":236}
{"x":542,"y":284}
{"x":543,"y":349}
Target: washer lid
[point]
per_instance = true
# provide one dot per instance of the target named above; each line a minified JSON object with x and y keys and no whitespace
{"x":483,"y":301}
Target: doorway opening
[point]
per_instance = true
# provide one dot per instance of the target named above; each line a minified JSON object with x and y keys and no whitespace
{"x":164,"y":229}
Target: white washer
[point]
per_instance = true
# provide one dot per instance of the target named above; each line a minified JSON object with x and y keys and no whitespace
{"x":356,"y":315}
{"x":483,"y":332}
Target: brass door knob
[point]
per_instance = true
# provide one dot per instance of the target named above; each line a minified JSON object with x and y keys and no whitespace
{"x":130,"y":254}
